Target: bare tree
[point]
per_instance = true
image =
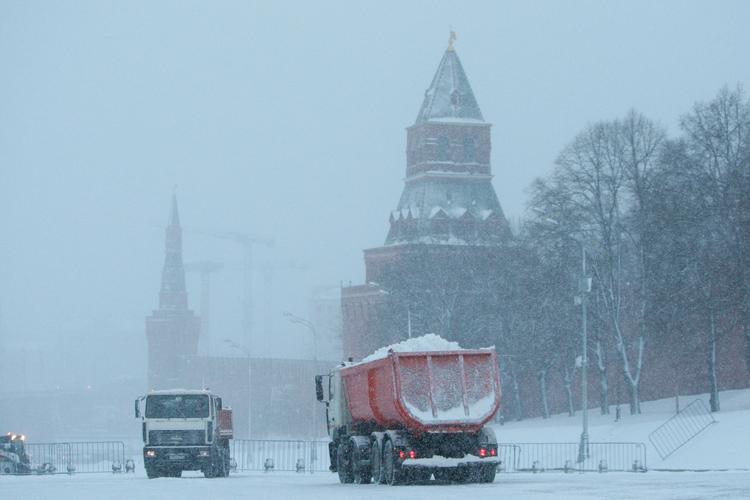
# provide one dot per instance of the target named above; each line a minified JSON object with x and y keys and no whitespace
{"x":606,"y":172}
{"x":717,"y":137}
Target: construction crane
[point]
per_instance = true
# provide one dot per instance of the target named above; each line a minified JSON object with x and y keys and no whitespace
{"x":270,"y":271}
{"x":204,"y":270}
{"x":247,"y":242}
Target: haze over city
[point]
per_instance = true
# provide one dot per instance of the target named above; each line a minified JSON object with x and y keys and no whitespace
{"x":285,"y":121}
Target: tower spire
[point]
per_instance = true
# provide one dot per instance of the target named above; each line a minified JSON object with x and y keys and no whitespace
{"x":173,"y":294}
{"x":174,"y":215}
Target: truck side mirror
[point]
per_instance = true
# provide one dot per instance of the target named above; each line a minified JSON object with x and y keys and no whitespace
{"x":319,"y":387}
{"x":137,"y":409}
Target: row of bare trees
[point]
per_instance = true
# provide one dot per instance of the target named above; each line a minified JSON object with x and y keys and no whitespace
{"x":665,"y":225}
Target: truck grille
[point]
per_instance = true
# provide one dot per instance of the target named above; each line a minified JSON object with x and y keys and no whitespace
{"x":177,"y":438}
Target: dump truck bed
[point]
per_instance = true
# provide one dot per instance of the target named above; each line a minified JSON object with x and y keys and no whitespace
{"x":435,"y":391}
{"x":226,"y":429}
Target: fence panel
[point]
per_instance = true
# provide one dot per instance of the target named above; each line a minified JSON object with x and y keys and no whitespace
{"x":97,"y":456}
{"x":48,"y":458}
{"x":83,"y":457}
{"x":681,"y":428}
{"x":280,"y":455}
{"x":539,"y":457}
{"x":312,"y":456}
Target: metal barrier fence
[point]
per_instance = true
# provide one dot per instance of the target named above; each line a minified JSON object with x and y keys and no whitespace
{"x":681,"y":428}
{"x":280,"y":455}
{"x":312,"y":456}
{"x":602,"y":457}
{"x":75,"y":457}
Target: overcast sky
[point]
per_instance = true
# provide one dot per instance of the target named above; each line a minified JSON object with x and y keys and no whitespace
{"x":286,"y":120}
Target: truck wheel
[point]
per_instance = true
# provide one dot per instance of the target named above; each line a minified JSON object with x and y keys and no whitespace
{"x":487,"y":473}
{"x":227,"y":459}
{"x":362,"y":474}
{"x":224,"y":465}
{"x":344,"y":465}
{"x":376,"y":461}
{"x":152,"y":472}
{"x":390,"y":473}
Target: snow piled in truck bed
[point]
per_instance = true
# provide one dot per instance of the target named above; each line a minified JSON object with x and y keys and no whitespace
{"x":477,"y":410}
{"x":429,"y":342}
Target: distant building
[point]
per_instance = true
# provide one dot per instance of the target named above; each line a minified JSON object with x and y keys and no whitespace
{"x":445,"y":236}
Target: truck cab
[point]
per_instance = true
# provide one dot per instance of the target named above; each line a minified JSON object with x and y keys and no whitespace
{"x":184,"y":430}
{"x":330,"y":391}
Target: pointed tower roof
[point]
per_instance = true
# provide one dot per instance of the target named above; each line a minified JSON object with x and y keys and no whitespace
{"x":174,"y":215}
{"x":449,"y":97}
{"x":173,"y":294}
{"x":448,"y":183}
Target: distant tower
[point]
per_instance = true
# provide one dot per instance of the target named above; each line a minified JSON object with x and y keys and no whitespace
{"x":172,"y":330}
{"x":448,"y":228}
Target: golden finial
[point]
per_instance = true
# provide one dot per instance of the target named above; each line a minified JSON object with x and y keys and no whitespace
{"x":451,"y":39}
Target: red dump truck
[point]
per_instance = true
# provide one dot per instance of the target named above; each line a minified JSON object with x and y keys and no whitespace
{"x":413,"y":415}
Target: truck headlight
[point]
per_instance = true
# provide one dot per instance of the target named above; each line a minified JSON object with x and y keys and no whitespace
{"x":151,"y":453}
{"x":203,"y":453}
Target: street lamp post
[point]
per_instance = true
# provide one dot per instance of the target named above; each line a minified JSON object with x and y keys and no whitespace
{"x":584,"y":288}
{"x":246,"y":352}
{"x":308,"y":324}
{"x":408,"y":308}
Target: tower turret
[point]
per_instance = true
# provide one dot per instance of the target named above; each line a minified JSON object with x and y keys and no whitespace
{"x":172,"y":330}
{"x":447,"y":235}
{"x":448,"y":196}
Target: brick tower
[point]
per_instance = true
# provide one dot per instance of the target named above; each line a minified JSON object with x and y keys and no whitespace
{"x":172,"y":330}
{"x":446,"y":235}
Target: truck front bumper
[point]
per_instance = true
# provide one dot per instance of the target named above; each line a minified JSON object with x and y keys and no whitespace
{"x":178,"y":457}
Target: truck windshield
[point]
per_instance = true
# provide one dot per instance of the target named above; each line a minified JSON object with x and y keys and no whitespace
{"x":177,"y":406}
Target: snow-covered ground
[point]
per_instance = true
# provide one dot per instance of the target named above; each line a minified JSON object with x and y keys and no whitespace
{"x":723,"y":445}
{"x":652,"y":485}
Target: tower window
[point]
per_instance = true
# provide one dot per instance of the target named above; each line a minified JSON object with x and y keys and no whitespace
{"x":455,"y":98}
{"x":442,"y":148}
{"x":469,"y":150}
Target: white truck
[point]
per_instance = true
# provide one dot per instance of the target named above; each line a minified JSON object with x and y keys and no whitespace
{"x":184,"y":430}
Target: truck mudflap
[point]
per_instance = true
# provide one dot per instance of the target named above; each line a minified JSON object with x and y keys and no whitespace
{"x":454,"y":470}
{"x":438,"y":462}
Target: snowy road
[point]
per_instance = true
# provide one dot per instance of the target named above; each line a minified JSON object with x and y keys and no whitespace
{"x":656,"y":485}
